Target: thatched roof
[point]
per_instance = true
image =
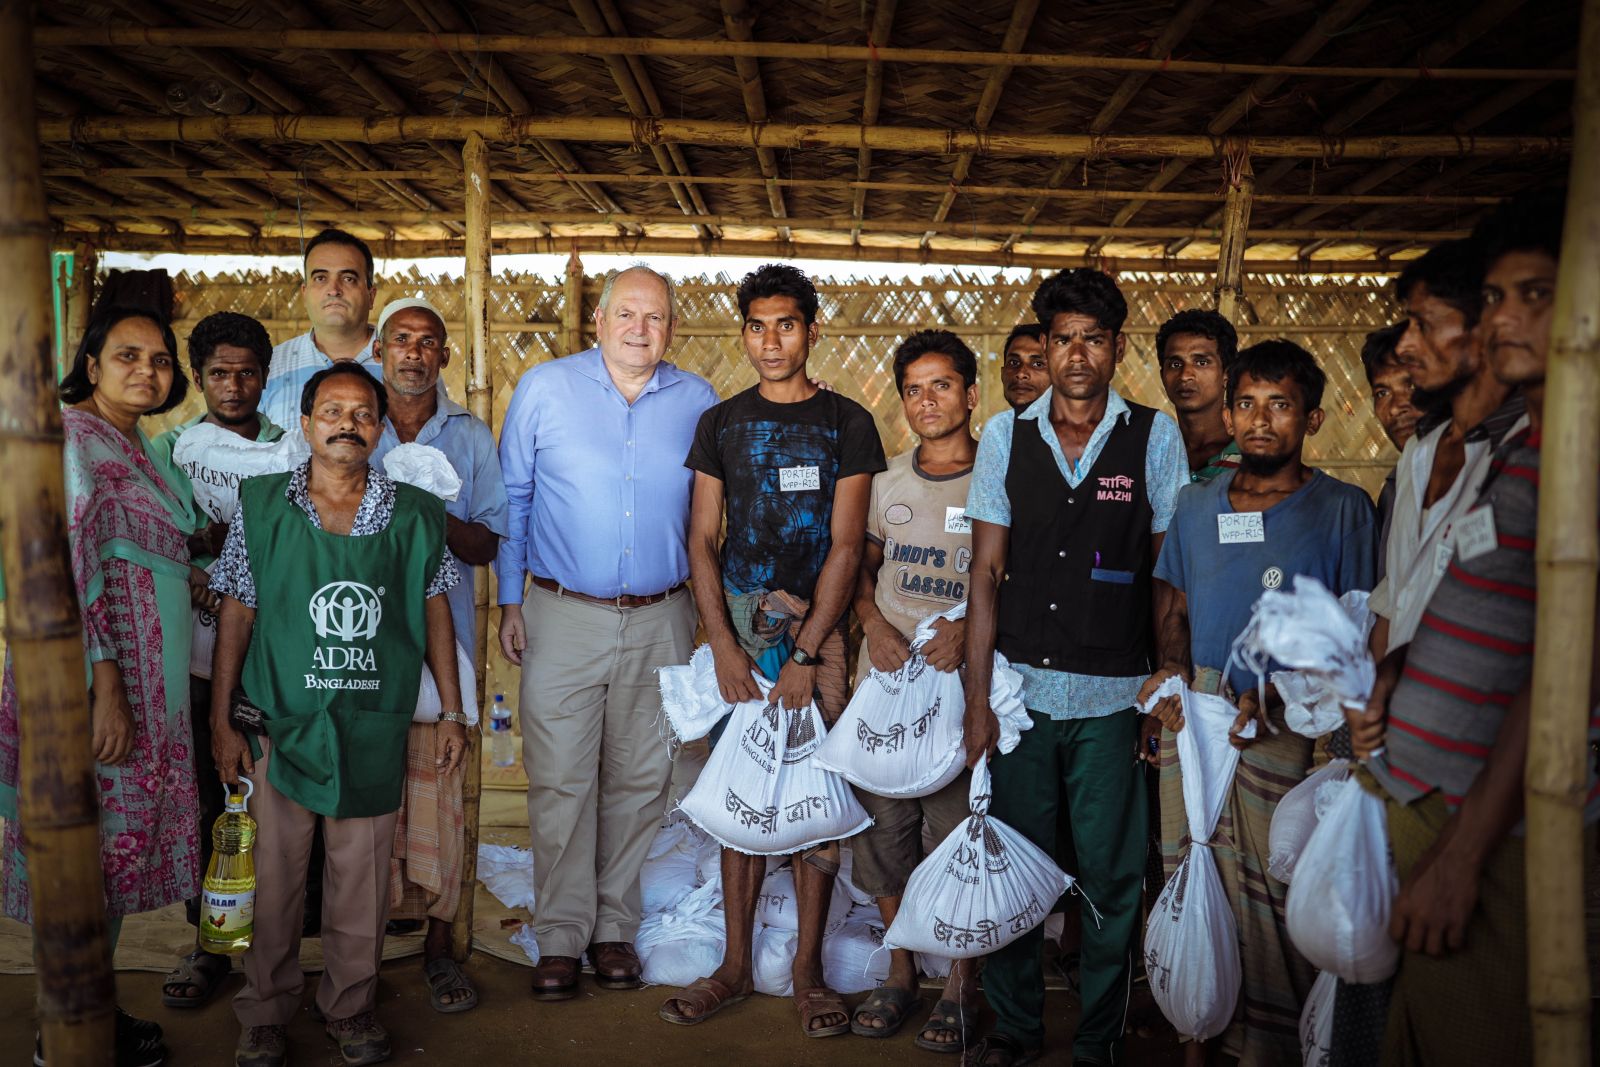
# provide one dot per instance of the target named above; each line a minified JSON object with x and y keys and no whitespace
{"x":630,"y":125}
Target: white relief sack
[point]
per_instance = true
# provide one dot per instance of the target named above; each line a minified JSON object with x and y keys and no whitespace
{"x":983,"y":887}
{"x":901,"y":734}
{"x":670,"y":867}
{"x":1344,"y":887}
{"x":1309,"y":631}
{"x":1316,"y":1021}
{"x":425,"y":467}
{"x":761,"y":792}
{"x":429,"y":703}
{"x":1295,"y":817}
{"x":217,"y":459}
{"x":773,"y":951}
{"x":1311,"y":707}
{"x":853,"y":959}
{"x":678,"y":946}
{"x":1191,"y":943}
{"x":778,"y":906}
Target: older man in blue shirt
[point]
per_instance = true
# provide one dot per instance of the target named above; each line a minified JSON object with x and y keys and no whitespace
{"x":592,"y":453}
{"x":425,"y":871}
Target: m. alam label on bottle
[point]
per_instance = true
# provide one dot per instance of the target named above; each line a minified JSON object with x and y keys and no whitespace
{"x":229,"y":913}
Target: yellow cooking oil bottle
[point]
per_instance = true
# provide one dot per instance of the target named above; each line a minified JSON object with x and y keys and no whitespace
{"x":228,"y":898}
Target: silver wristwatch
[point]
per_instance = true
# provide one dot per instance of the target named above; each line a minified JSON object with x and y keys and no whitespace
{"x":454,"y":716}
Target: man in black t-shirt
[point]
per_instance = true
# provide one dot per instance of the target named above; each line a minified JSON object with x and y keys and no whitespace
{"x":792,"y":466}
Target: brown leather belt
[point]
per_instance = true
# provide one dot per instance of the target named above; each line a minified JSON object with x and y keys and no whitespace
{"x":626,"y":600}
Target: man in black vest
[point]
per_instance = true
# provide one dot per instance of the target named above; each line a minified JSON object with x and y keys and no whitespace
{"x":1069,"y":501}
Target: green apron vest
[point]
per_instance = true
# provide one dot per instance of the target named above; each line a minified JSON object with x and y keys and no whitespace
{"x":336,"y":656}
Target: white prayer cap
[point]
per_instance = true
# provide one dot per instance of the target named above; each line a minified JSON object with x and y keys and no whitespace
{"x":401,"y":305}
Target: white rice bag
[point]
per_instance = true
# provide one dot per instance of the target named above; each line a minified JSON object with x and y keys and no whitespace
{"x":778,"y":906}
{"x":425,"y":467}
{"x":1191,"y":943}
{"x":216,"y":460}
{"x":853,"y":959}
{"x":774,"y":951}
{"x":678,"y":946}
{"x":984,"y":886}
{"x":1344,"y":887}
{"x":1296,"y":816}
{"x":1316,"y":1021}
{"x":429,"y":707}
{"x":669,"y":872}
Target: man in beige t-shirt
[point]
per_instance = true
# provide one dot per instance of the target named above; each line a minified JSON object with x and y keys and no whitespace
{"x":918,"y":550}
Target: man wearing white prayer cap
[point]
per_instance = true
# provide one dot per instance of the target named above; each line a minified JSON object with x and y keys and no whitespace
{"x":425,"y":873}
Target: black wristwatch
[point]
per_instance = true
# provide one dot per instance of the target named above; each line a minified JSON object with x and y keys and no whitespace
{"x":804,"y":658}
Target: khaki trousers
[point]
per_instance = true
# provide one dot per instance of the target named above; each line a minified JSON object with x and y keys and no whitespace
{"x":596,"y":756}
{"x":355,"y":905}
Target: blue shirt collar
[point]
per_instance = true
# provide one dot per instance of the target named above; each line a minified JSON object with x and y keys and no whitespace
{"x":591,"y":364}
{"x":1116,"y":407}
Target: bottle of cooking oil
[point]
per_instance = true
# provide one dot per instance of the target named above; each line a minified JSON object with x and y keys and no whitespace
{"x":228,"y":898}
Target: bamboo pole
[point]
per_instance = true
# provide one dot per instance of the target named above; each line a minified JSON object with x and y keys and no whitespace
{"x":257,"y":38}
{"x":1235,"y":234}
{"x":643,"y":133}
{"x":480,"y":400}
{"x":572,"y":306}
{"x":57,"y":797}
{"x":80,"y":294}
{"x":1567,"y":553}
{"x":442,"y":174}
{"x":828,"y":223}
{"x":963,"y":255}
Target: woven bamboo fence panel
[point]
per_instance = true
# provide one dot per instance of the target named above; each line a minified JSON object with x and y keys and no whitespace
{"x":863,"y":321}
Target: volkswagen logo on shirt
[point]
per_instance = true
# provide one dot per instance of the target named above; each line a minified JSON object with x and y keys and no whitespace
{"x":346,"y":611}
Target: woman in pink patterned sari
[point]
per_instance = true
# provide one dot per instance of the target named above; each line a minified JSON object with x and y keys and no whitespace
{"x":128,"y":524}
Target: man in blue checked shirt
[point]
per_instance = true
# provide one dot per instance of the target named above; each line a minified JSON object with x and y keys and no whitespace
{"x":592,"y":455}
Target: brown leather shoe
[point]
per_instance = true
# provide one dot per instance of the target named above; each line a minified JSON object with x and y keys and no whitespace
{"x":616,"y":965}
{"x":555,"y":978}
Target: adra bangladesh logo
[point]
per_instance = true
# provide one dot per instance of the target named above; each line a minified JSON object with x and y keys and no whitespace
{"x":346,"y":611}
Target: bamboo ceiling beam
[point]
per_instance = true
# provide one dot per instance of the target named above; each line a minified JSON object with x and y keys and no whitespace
{"x":503,"y":93}
{"x":1022,"y":14}
{"x":1328,"y":25}
{"x":1229,"y":291}
{"x":828,"y":223}
{"x":107,"y":36}
{"x":359,"y":130}
{"x":739,"y":23}
{"x":1471,"y":26}
{"x":1346,"y":199}
{"x":122,"y":241}
{"x":638,"y":93}
{"x":871,"y":99}
{"x":1173,"y":32}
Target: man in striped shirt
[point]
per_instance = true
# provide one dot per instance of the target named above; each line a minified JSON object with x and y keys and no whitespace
{"x":1457,"y":723}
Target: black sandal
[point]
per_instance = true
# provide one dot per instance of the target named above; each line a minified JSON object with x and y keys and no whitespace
{"x":889,"y":1006}
{"x":444,"y":977}
{"x":201,"y":971}
{"x":949,"y":1017}
{"x":998,"y":1050}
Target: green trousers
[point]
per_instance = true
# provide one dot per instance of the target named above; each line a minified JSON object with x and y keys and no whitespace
{"x":1084,"y":772}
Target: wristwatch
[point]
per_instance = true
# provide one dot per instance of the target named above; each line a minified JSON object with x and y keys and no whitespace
{"x":454,"y":716}
{"x":804,"y":658}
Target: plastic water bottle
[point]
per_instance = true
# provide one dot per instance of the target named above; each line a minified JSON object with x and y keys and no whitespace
{"x":228,"y":897}
{"x":500,"y":727}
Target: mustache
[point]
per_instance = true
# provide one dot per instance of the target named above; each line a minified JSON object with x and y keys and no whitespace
{"x":355,"y":439}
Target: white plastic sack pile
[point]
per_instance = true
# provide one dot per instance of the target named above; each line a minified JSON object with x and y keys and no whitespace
{"x":761,"y":792}
{"x":429,"y":707}
{"x":1311,"y":707}
{"x":217,"y":459}
{"x":778,"y":906}
{"x":774,"y":951}
{"x":853,"y":958}
{"x":1316,"y":1021}
{"x":984,"y":886}
{"x":425,"y":467}
{"x":1344,"y":887}
{"x":901,"y":734}
{"x":670,"y":870}
{"x":1295,"y":817}
{"x":678,"y":946}
{"x":508,"y":874}
{"x":1191,"y":944}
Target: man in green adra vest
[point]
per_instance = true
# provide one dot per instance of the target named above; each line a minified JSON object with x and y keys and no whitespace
{"x":348,"y":572}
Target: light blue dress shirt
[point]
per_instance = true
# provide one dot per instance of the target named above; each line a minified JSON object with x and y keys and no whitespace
{"x":293,"y":364}
{"x":469,"y":446}
{"x":599,"y":495}
{"x":1059,"y":694}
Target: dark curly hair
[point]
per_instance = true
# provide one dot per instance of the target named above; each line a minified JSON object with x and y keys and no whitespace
{"x":346,"y":369}
{"x":1530,"y":223}
{"x":938,"y":342}
{"x":331,"y":236}
{"x":1200,"y":323}
{"x":1030,"y":330}
{"x":228,"y":328}
{"x":1377,"y":350}
{"x":1453,"y":272}
{"x":778,"y":279}
{"x":1085,"y":291}
{"x":76,"y":387}
{"x":1273,"y":361}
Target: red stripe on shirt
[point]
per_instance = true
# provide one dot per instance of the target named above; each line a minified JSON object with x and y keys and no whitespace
{"x":1476,"y":637}
{"x":1525,"y":544}
{"x":1471,"y":696}
{"x":1489,"y":585}
{"x":1425,"y":787}
{"x":1465,"y":748}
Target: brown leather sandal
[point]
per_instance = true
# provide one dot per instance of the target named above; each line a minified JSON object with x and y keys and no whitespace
{"x":706,"y":995}
{"x":817,"y":1002}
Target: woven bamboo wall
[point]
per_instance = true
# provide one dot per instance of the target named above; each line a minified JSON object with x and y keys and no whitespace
{"x":862,"y":323}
